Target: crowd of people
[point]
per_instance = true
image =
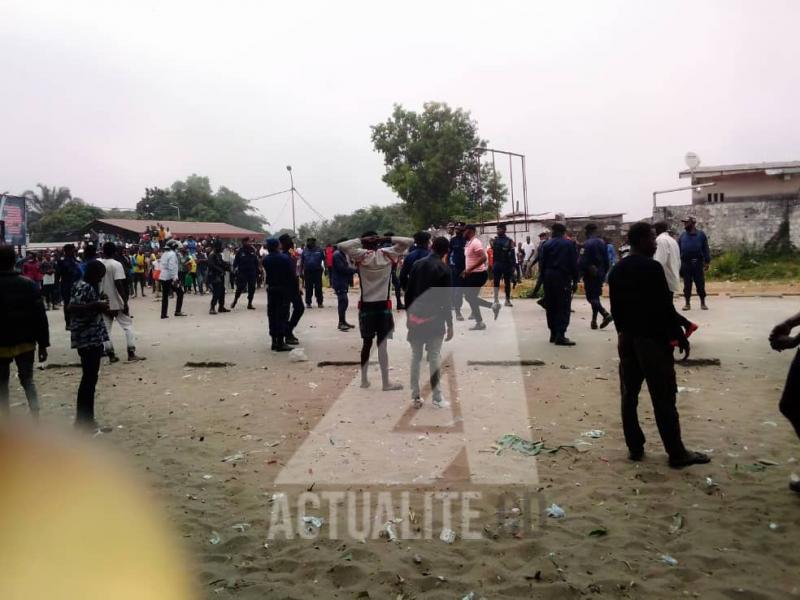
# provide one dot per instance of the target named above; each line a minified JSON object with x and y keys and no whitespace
{"x":428,"y":277}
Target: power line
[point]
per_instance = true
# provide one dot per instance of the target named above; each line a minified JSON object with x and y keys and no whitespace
{"x":314,"y":210}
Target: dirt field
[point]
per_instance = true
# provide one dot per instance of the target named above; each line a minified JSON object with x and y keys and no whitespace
{"x":285,"y":426}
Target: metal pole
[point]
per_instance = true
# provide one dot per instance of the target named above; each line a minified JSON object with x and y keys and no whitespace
{"x":480,"y":189}
{"x":294,"y":225}
{"x":511,"y":184}
{"x":524,"y":193}
{"x":494,"y":175}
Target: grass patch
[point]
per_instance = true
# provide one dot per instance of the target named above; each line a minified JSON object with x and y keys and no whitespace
{"x":752,"y":265}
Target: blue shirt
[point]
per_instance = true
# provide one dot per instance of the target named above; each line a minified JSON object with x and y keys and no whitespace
{"x":312,"y":259}
{"x":694,"y":246}
{"x":408,"y":262}
{"x":279,"y":271}
{"x":594,"y":260}
{"x":341,"y":272}
{"x":612,"y":255}
{"x":456,"y":257}
{"x":246,"y":263}
{"x":559,"y":257}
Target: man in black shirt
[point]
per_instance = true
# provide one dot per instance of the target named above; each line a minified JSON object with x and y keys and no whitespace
{"x":429,"y":317}
{"x":646,"y":321}
{"x":504,"y":263}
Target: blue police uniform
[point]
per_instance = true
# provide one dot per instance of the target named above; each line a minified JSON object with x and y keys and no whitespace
{"x":558,"y":272}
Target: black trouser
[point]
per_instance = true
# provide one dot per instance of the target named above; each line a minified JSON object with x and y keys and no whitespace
{"x":24,"y":364}
{"x":231,"y":280}
{"x":458,"y":287}
{"x":558,"y":294}
{"x":49,"y":294}
{"x":167,"y":287}
{"x":693,"y":270}
{"x":593,"y":286}
{"x":503,"y":272}
{"x":342,"y":302}
{"x":278,"y":302}
{"x":65,"y":298}
{"x":218,"y":293}
{"x":297,"y":311}
{"x":243,"y":283}
{"x":790,"y":400}
{"x":644,"y":359}
{"x":472,"y":289}
{"x":138,"y":278}
{"x":313,"y":280}
{"x":90,"y":367}
{"x":396,"y":285}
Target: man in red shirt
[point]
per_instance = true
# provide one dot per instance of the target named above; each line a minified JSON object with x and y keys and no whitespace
{"x":329,"y":261}
{"x":32,"y":269}
{"x":475,"y":275}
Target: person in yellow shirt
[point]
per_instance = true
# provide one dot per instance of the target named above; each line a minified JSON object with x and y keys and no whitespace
{"x":139,"y":271}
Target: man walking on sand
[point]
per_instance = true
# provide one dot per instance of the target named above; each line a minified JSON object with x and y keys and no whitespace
{"x":695,"y":260}
{"x":429,"y":318}
{"x":169,"y":279}
{"x":558,"y":273}
{"x":23,"y":327}
{"x":646,"y":322}
{"x":296,"y":300}
{"x":375,"y":321}
{"x":669,"y":255}
{"x":474,"y":277}
{"x":594,"y":266}
{"x":114,"y":288}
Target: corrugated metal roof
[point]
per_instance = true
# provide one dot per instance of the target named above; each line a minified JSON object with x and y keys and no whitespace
{"x":182,"y":228}
{"x":708,"y":170}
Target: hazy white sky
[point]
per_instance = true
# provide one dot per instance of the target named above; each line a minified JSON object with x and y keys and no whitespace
{"x":604,"y":97}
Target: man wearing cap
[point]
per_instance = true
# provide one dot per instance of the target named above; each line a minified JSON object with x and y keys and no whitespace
{"x":455,"y":259}
{"x":280,"y":280}
{"x":558,"y":273}
{"x":504,"y":263}
{"x":695,"y":259}
{"x":169,"y":278}
{"x":474,"y":277}
{"x":313,"y":263}
{"x":287,"y":244}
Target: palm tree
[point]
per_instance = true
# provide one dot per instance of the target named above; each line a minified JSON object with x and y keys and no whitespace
{"x":49,"y":200}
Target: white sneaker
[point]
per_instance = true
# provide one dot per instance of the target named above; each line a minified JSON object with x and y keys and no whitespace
{"x":440,"y":403}
{"x":416,"y":402}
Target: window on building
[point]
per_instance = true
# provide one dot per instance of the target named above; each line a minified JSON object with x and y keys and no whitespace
{"x":722,"y":196}
{"x":708,"y":197}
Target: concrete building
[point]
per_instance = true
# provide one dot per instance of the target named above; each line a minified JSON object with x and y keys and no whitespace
{"x":753,"y":205}
{"x":519,"y":227}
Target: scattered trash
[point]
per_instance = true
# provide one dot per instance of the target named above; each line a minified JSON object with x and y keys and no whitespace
{"x":241,"y":527}
{"x":298,"y":355}
{"x":233,"y":457}
{"x":767,"y":462}
{"x":555,"y":511}
{"x":313,"y":385}
{"x":770,"y":423}
{"x":701,"y":362}
{"x":668,"y":560}
{"x":209,"y":364}
{"x":773,"y":526}
{"x":687,"y":390}
{"x":594,"y":433}
{"x":599,"y":532}
{"x":315,"y":521}
{"x":677,"y":522}
{"x":470,"y":596}
{"x":711,"y":483}
{"x":389,"y":531}
{"x":448,"y":536}
{"x":207,"y":477}
{"x":505,"y":363}
{"x":512,"y":441}
{"x":214,"y":539}
{"x":418,"y":559}
{"x":348,"y":556}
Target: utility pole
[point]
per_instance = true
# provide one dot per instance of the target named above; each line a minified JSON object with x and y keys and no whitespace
{"x":291,"y":178}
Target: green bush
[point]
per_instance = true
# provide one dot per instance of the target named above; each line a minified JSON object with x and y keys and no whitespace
{"x":750,"y":264}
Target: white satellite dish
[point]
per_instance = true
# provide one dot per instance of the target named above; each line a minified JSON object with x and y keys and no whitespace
{"x":692,"y":160}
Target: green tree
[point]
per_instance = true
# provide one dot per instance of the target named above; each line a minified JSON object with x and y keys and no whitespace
{"x":430,"y":160}
{"x":381,"y":219}
{"x":197,"y":201}
{"x":46,"y":201}
{"x":65,"y":222}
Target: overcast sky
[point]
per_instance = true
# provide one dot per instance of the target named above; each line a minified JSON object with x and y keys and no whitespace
{"x":604,"y":97}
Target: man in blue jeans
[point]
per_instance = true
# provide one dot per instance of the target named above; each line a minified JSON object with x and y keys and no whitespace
{"x":695,"y":260}
{"x":23,"y":327}
{"x":456,"y":261}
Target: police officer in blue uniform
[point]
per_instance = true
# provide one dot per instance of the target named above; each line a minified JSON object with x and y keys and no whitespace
{"x":558,"y":272}
{"x":281,"y":282}
{"x":245,"y":264}
{"x":313,"y":263}
{"x":457,"y":263}
{"x":504,"y":257}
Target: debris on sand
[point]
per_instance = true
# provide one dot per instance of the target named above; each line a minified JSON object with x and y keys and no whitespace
{"x":211,"y":364}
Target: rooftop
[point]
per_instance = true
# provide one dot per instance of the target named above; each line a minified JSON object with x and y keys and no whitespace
{"x":771,"y":168}
{"x":178,"y":228}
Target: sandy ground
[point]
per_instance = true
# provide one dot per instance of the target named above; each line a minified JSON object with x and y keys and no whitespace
{"x":296,"y":426}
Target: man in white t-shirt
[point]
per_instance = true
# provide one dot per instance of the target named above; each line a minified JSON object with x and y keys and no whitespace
{"x":668,"y":253}
{"x":114,"y":288}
